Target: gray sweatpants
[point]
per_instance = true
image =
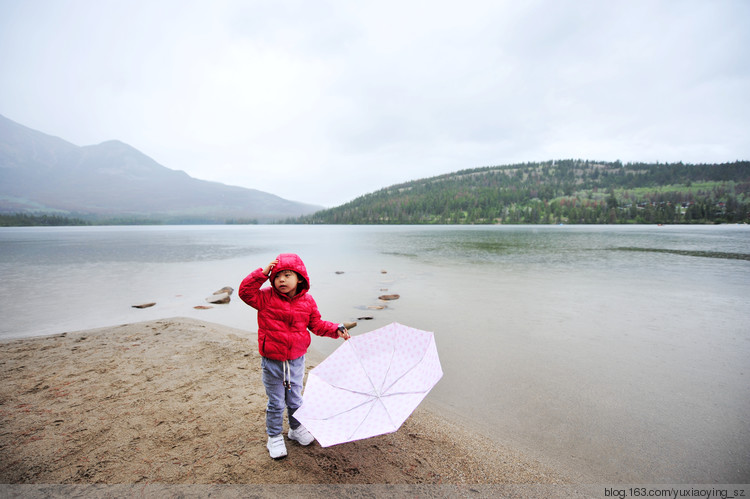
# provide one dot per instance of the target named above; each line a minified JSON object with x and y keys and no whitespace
{"x":279,"y":396}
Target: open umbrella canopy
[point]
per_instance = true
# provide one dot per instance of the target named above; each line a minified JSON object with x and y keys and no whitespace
{"x":370,"y":384}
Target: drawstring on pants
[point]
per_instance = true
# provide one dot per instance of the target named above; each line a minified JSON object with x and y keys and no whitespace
{"x":287,"y":375}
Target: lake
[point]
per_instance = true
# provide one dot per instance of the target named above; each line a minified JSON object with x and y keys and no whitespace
{"x":619,"y":352}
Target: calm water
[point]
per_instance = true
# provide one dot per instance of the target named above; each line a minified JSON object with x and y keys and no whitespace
{"x":564,"y":342}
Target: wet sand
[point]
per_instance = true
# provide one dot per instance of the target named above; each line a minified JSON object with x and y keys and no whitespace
{"x":180,"y":401}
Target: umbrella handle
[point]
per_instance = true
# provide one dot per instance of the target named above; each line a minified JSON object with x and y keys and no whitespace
{"x":343,"y":332}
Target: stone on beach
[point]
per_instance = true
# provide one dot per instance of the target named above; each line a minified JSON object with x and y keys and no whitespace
{"x":389,"y":297}
{"x":145,"y":305}
{"x":219,"y":298}
{"x":226,"y":289}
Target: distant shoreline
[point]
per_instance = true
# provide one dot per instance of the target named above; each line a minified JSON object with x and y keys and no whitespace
{"x":56,"y":220}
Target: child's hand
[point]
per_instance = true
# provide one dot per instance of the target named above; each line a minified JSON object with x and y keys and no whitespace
{"x":344,"y":333}
{"x":270,"y":266}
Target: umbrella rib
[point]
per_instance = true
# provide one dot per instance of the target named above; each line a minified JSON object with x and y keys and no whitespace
{"x":420,"y":392}
{"x":387,"y":413}
{"x":360,"y":423}
{"x":390,"y":364}
{"x":377,"y":392}
{"x":358,"y":392}
{"x":424,"y":354}
{"x":347,"y":410}
{"x":390,"y":419}
{"x":356,"y":354}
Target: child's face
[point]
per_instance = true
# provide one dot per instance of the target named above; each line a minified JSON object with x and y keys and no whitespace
{"x":286,"y":282}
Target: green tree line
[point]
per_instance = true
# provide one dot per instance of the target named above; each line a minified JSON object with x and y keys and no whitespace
{"x":47,"y":220}
{"x":28,"y":220}
{"x":567,"y":191}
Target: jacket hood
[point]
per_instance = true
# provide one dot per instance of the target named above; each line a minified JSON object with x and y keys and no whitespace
{"x":291,"y":261}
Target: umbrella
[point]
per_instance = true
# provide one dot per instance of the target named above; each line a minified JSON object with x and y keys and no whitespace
{"x":370,"y":384}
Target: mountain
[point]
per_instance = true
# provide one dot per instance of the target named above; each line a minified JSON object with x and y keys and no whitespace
{"x":112,"y":180}
{"x":567,"y":191}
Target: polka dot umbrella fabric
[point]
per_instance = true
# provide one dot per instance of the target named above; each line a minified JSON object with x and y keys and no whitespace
{"x":370,"y":384}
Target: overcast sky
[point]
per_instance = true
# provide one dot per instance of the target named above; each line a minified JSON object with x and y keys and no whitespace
{"x":323,"y":101}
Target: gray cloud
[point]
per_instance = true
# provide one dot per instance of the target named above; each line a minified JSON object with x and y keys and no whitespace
{"x":324,"y":101}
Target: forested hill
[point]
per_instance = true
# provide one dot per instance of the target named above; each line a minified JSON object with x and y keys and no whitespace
{"x":553,"y":192}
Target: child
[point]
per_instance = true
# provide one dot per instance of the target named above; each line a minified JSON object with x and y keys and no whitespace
{"x":285,"y":313}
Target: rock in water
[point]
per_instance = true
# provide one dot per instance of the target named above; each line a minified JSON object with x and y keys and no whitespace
{"x":219,"y":298}
{"x":226,"y":289}
{"x":144,"y":305}
{"x":389,"y":297}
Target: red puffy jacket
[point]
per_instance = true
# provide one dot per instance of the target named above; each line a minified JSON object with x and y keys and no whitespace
{"x":283,"y":322}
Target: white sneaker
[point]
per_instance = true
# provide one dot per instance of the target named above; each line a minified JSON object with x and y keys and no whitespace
{"x":276,"y":446}
{"x":301,"y":435}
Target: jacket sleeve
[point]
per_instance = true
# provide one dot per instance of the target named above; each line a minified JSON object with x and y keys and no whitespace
{"x":250,"y":288}
{"x":319,"y":326}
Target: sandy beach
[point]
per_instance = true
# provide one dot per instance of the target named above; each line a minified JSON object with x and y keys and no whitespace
{"x":180,"y":401}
